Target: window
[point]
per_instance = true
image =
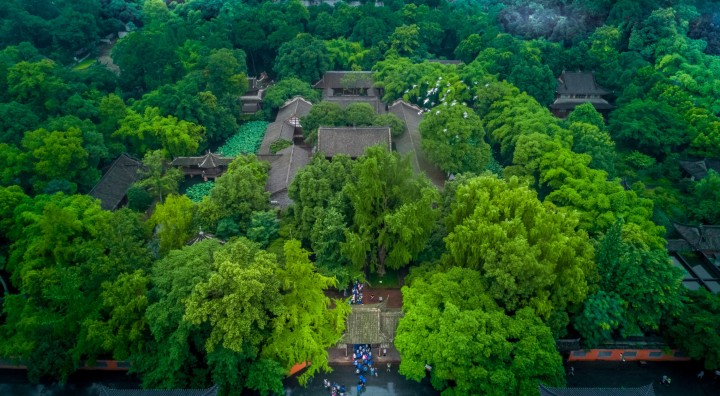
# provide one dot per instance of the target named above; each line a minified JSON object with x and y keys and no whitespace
{"x":655,"y":354}
{"x":579,"y":353}
{"x":630,"y":353}
{"x":604,"y":353}
{"x":123,"y":364}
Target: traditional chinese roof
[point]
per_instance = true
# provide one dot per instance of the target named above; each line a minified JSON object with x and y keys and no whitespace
{"x":678,"y":245}
{"x":284,"y":166}
{"x":352,"y":141}
{"x":105,"y":391}
{"x":698,"y":169}
{"x":646,"y":390}
{"x":113,"y":186}
{"x":579,"y":83}
{"x":202,"y":236}
{"x":371,"y":324}
{"x":703,"y":237}
{"x":346,"y":79}
{"x":207,"y":161}
{"x":409,"y":142}
{"x":288,"y":117}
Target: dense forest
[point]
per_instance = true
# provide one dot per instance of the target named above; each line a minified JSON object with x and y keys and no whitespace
{"x":548,"y":228}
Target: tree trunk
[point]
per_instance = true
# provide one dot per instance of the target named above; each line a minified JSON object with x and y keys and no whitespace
{"x":381,"y":261}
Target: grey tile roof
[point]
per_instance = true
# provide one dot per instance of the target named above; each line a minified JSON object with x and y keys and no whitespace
{"x":346,"y":79}
{"x":295,"y":107}
{"x":207,"y":161}
{"x":700,"y":237}
{"x":283,"y":128}
{"x":284,"y":166}
{"x":646,"y":390}
{"x":371,"y":324}
{"x":352,"y":141}
{"x":579,"y":83}
{"x":105,"y":391}
{"x":411,"y":142}
{"x":571,"y":103}
{"x":698,"y":169}
{"x":113,"y":186}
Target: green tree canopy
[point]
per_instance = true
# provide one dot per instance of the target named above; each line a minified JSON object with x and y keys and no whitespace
{"x":304,"y":57}
{"x":470,"y":343}
{"x":530,"y":254}
{"x":393,"y":210}
{"x":454,"y":139}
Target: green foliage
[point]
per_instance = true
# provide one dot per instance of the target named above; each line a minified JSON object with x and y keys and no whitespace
{"x":286,"y":89}
{"x":198,"y":191}
{"x":263,"y":227}
{"x":150,"y":131}
{"x":471,"y":344}
{"x":173,"y":219}
{"x":397,"y":126}
{"x":156,"y":178}
{"x":304,"y":57}
{"x":139,"y":199}
{"x":279,"y":145}
{"x":695,"y":328}
{"x":246,"y":141}
{"x":702,"y":204}
{"x":359,"y":114}
{"x":322,"y":114}
{"x":393,"y":210}
{"x":603,"y":313}
{"x":453,"y":138}
{"x":529,"y":253}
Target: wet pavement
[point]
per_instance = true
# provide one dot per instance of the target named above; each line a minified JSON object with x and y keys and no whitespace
{"x":385,"y":384}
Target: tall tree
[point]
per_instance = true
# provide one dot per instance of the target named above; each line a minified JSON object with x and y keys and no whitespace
{"x":394,"y":211}
{"x":304,"y":57}
{"x":158,"y":179}
{"x":173,"y":219}
{"x":471,"y":345}
{"x":529,"y":253}
{"x":454,"y":139}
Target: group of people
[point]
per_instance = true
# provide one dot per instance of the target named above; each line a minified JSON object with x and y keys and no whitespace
{"x":357,"y":296}
{"x":363,"y":360}
{"x":335,"y":389}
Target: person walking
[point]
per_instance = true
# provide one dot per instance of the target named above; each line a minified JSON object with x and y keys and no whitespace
{"x":388,"y":365}
{"x":701,"y":374}
{"x":572,"y":370}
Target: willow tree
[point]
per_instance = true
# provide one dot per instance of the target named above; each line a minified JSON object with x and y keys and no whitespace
{"x":393,"y":209}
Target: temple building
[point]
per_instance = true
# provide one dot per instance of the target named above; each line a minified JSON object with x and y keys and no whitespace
{"x":116,"y":182}
{"x":105,"y":391}
{"x":209,"y":166}
{"x":351,"y":141}
{"x":576,"y":88}
{"x":347,"y":87}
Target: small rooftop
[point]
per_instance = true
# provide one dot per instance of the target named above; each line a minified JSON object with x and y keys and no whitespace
{"x":698,"y":169}
{"x":351,"y":141}
{"x":207,"y":161}
{"x":113,"y":186}
{"x":105,"y":391}
{"x":345,"y":79}
{"x":579,"y":83}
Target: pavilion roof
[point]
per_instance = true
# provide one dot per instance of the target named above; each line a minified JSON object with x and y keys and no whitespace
{"x":115,"y":183}
{"x":698,"y":169}
{"x":371,"y":324}
{"x":352,"y":141}
{"x":207,"y":161}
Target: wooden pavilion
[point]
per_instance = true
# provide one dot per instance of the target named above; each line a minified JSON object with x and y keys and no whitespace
{"x":576,"y":88}
{"x":209,"y":166}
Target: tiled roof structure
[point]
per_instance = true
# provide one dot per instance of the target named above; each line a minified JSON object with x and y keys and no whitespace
{"x":345,"y":79}
{"x":579,"y":83}
{"x":410,"y":141}
{"x":646,"y":390}
{"x":113,"y":186}
{"x":703,"y":237}
{"x":698,"y":169}
{"x":288,"y":117}
{"x":207,"y":161}
{"x":371,"y":324}
{"x":351,"y":141}
{"x":105,"y":391}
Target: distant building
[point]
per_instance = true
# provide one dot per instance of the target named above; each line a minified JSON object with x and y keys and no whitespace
{"x":373,"y":324}
{"x":576,"y":88}
{"x":115,"y":183}
{"x":285,"y":163}
{"x":698,"y":169}
{"x":347,"y":87}
{"x":253,"y":97}
{"x":351,"y":141}
{"x":105,"y":391}
{"x":209,"y":166}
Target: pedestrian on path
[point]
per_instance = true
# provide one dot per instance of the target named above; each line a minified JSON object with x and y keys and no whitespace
{"x":388,"y":367}
{"x":572,"y":370}
{"x":701,"y":374}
